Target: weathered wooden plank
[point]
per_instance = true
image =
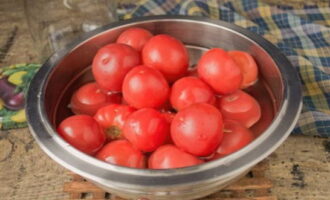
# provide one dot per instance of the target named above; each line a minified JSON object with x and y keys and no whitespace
{"x":82,"y":187}
{"x":250,"y":184}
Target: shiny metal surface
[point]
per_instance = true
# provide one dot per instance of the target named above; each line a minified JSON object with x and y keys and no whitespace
{"x":278,"y":91}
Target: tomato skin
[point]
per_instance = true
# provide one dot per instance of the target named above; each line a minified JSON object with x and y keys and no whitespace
{"x":145,"y":87}
{"x":169,"y":116}
{"x":247,"y":65}
{"x":146,"y":129}
{"x":82,"y":132}
{"x":111,"y":63}
{"x":166,"y":54}
{"x":190,"y":90}
{"x":112,"y":119}
{"x":169,"y":157}
{"x":215,"y":157}
{"x":219,"y":71}
{"x":192,"y":72}
{"x":135,"y":37}
{"x":121,"y":152}
{"x":235,"y":137}
{"x":241,"y":107}
{"x":167,"y":107}
{"x":197,"y":129}
{"x":89,"y":98}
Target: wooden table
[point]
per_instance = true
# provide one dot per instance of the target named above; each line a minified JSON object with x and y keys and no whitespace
{"x":299,"y":169}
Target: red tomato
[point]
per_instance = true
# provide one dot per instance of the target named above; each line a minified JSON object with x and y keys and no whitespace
{"x":121,"y":152}
{"x":220,"y":71}
{"x":111,"y":63}
{"x":82,"y":132}
{"x":135,"y":37}
{"x":217,"y":100}
{"x":190,"y":90}
{"x":89,"y":98}
{"x":235,"y":137}
{"x":169,"y":116}
{"x":197,"y":129}
{"x":112,"y":118}
{"x":247,"y":65}
{"x":146,"y":129}
{"x":241,"y":107}
{"x":166,"y":54}
{"x":145,"y":87}
{"x":169,"y":157}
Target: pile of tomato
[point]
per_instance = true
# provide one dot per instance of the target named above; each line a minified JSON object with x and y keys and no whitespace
{"x":148,"y":109}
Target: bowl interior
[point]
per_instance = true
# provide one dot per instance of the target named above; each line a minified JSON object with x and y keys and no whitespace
{"x":74,"y":69}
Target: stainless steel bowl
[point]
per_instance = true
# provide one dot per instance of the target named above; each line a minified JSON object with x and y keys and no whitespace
{"x":278,"y":91}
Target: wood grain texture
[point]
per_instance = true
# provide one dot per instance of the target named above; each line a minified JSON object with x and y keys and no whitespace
{"x":299,"y":169}
{"x":253,"y":186}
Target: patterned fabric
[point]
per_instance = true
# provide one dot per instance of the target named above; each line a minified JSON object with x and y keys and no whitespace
{"x":14,"y":82}
{"x":302,"y":34}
